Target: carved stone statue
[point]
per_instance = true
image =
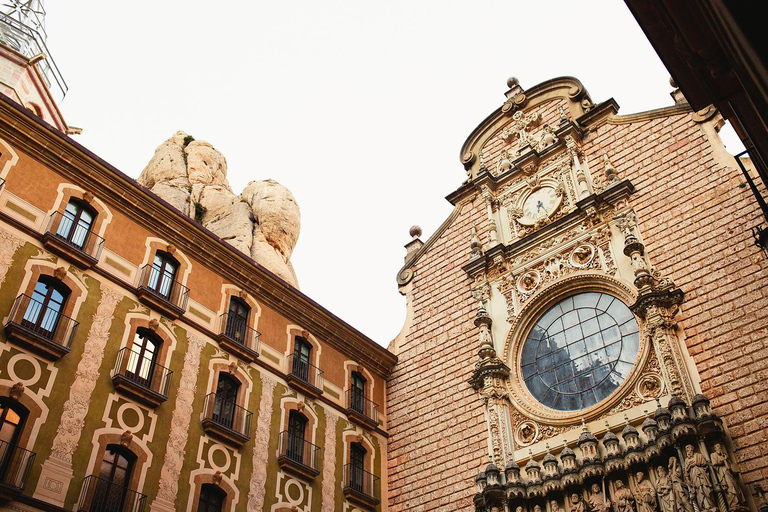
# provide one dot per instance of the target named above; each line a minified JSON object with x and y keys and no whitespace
{"x":665,"y":491}
{"x":555,"y":507}
{"x":698,"y":479}
{"x":577,"y":505}
{"x":645,"y":494}
{"x":679,"y":487}
{"x":722,"y":465}
{"x":536,"y":508}
{"x":623,"y":498}
{"x":598,"y":502}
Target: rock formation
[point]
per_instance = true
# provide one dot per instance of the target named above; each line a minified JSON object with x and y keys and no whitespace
{"x":263,"y":221}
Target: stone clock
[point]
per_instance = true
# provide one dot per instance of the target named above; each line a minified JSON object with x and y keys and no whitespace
{"x":540,"y":204}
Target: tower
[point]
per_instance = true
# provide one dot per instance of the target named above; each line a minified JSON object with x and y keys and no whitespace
{"x":28,"y":73}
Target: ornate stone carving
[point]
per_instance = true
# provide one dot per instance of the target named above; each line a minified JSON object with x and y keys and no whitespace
{"x":60,"y":273}
{"x":76,"y":407}
{"x":260,"y":455}
{"x":519,"y":128}
{"x":329,"y":463}
{"x":9,"y":244}
{"x":16,"y":391}
{"x":182,"y":415}
{"x":697,"y":477}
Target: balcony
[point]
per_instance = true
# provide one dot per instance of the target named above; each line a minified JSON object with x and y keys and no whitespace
{"x":360,"y":410}
{"x":141,"y":379}
{"x":43,"y":330}
{"x":161,"y":293}
{"x":99,"y":495}
{"x":360,"y":487}
{"x":298,"y":456}
{"x":72,"y":241}
{"x":237,"y":338}
{"x":226,"y":420}
{"x":15,"y":465}
{"x":304,"y":377}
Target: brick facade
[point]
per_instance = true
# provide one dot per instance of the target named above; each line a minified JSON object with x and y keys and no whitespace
{"x":695,"y":217}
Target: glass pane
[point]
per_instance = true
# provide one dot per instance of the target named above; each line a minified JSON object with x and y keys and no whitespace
{"x":588,"y":346}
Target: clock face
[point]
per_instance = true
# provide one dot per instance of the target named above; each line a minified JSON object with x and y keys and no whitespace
{"x":542,"y":203}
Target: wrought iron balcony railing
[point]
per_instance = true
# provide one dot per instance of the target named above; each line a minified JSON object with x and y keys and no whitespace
{"x":162,"y":290}
{"x":64,"y":229}
{"x":236,"y":336}
{"x":361,"y":483}
{"x":305,"y":372}
{"x":15,"y":465}
{"x":100,"y":495}
{"x":359,"y":404}
{"x":226,"y":419}
{"x":40,"y":327}
{"x":141,"y":378}
{"x":296,"y":449}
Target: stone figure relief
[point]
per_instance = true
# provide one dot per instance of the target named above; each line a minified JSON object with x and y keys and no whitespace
{"x":726,"y":477}
{"x":645,"y":494}
{"x":597,"y":500}
{"x":623,"y":498}
{"x":9,"y":244}
{"x":554,"y":506}
{"x":697,"y":477}
{"x":577,"y":505}
{"x":679,"y":487}
{"x":664,"y":491}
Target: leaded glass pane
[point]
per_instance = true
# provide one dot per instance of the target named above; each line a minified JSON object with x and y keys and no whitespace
{"x":580,"y":351}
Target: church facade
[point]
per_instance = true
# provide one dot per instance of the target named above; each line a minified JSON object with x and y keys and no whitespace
{"x":588,"y":326}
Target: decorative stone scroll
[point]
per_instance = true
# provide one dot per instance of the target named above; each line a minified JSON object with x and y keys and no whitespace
{"x":329,"y":463}
{"x":182,"y":415}
{"x":9,"y":244}
{"x":260,"y":455}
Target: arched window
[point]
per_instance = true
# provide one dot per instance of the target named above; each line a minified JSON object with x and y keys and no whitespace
{"x":163,"y":274}
{"x":12,"y":458}
{"x":212,"y":498}
{"x":225,"y":403}
{"x":237,"y":320}
{"x":111,"y":489}
{"x":75,"y":224}
{"x":357,"y":467}
{"x":297,"y":424}
{"x":45,"y":306}
{"x":301,"y":352}
{"x":143,"y":356}
{"x":357,"y":393}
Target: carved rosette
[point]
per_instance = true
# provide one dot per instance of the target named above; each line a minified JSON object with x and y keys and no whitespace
{"x":9,"y":244}
{"x":260,"y":455}
{"x":76,"y":407}
{"x":182,"y":415}
{"x":329,"y":463}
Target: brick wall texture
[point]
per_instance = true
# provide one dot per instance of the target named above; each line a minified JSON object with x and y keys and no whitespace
{"x":695,"y":217}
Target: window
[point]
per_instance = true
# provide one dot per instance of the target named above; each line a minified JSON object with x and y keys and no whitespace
{"x":225,"y":403}
{"x":357,"y":467}
{"x":580,"y":351}
{"x":301,"y":365}
{"x":114,"y":476}
{"x":237,"y":320}
{"x":12,"y":458}
{"x":297,"y":424}
{"x":75,"y":224}
{"x":142,"y":358}
{"x":44,"y":308}
{"x":163,"y":274}
{"x":357,"y":393}
{"x":211,"y":499}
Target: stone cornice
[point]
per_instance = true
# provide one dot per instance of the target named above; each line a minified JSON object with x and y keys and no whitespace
{"x":80,"y":166}
{"x":648,"y":115}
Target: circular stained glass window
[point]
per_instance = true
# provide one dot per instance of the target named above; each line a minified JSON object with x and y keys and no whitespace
{"x":580,"y":351}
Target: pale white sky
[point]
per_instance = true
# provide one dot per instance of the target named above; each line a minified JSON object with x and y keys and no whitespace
{"x":359,"y":107}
